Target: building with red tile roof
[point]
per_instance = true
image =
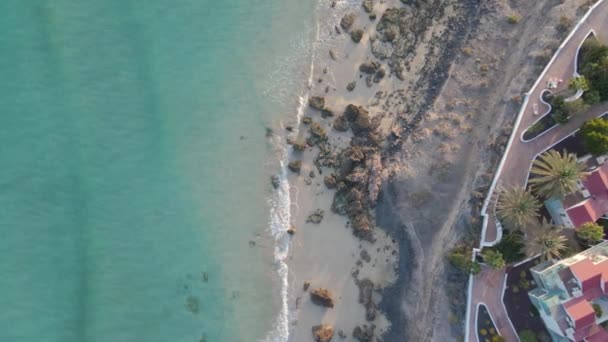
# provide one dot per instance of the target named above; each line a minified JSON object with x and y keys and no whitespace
{"x":588,"y":204}
{"x":568,"y":291}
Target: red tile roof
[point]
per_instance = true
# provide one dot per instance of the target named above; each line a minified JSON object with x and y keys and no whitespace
{"x":592,"y":208}
{"x":584,"y":270}
{"x":597,"y":334}
{"x":581,"y":312}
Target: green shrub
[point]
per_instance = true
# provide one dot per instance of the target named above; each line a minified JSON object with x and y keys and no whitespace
{"x":527,"y":336}
{"x":512,"y":248}
{"x":493,"y":258}
{"x":598,"y":310}
{"x":560,"y":116}
{"x":592,"y":97}
{"x":513,"y":18}
{"x":595,"y":136}
{"x":483,"y":332}
{"x":590,"y":232}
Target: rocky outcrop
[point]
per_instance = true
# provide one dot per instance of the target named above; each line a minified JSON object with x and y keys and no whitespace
{"x":341,"y":124}
{"x":322,"y":297}
{"x":369,"y":67}
{"x":366,"y":291}
{"x":356,"y":35}
{"x":317,"y":131}
{"x":375,"y":178}
{"x":295,"y":166}
{"x":316,"y":102}
{"x":379,"y":75}
{"x":351,"y":86}
{"x":364,"y":333}
{"x":299,"y":145}
{"x":323,"y":333}
{"x":368,"y":6}
{"x":347,"y":21}
{"x":326,"y":113}
{"x":330,"y":182}
{"x":316,"y":217}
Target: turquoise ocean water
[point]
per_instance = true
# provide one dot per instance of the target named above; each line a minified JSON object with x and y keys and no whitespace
{"x":134,"y":167}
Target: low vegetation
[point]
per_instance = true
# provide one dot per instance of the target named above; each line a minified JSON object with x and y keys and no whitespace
{"x":594,"y":67}
{"x":493,"y":258}
{"x":460,"y":257}
{"x":590,"y":233}
{"x":595,"y":136}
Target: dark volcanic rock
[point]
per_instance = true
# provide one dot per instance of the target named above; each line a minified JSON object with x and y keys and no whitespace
{"x":316,"y":102}
{"x":307,"y":120}
{"x":299,"y":146}
{"x":347,"y":20}
{"x":322,"y":297}
{"x":351,"y":86}
{"x":295,"y":166}
{"x":306,"y":285}
{"x":275,"y":181}
{"x":316,"y":217}
{"x":369,"y":67}
{"x":353,"y":112}
{"x":364,"y":333}
{"x":326,"y":113}
{"x":366,"y":291}
{"x":356,"y":35}
{"x":379,"y":75}
{"x":317,"y":131}
{"x":368,"y":6}
{"x":330,"y":182}
{"x":341,"y":124}
{"x":323,"y":333}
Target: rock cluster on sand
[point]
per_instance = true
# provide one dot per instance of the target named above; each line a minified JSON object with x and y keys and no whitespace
{"x":322,"y":297}
{"x":323,"y":333}
{"x":351,"y":86}
{"x":369,"y":67}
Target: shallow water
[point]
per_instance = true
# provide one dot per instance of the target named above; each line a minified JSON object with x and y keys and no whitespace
{"x":135,"y":166}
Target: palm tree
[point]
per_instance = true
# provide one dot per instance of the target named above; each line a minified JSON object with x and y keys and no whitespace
{"x":556,"y":174}
{"x":516,"y":207}
{"x":547,"y":241}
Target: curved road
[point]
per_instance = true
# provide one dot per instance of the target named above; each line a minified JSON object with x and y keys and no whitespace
{"x":487,"y":286}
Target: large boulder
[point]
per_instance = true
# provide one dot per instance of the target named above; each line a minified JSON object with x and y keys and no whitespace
{"x":330,"y":182}
{"x":317,"y":102}
{"x":369,"y":67}
{"x":341,"y":124}
{"x":368,"y":6}
{"x":352,"y":112}
{"x":295,"y":166}
{"x":347,"y":20}
{"x":326,"y":113}
{"x":322,"y":297}
{"x":323,"y":333}
{"x":356,"y":35}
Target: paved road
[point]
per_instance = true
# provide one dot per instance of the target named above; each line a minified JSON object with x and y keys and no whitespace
{"x":487,"y":286}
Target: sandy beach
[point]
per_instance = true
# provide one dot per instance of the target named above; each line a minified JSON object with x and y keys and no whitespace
{"x":436,"y":87}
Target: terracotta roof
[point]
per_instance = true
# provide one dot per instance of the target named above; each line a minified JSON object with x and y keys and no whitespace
{"x":584,"y":270}
{"x":581,"y":312}
{"x":592,"y":208}
{"x":597,"y":334}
